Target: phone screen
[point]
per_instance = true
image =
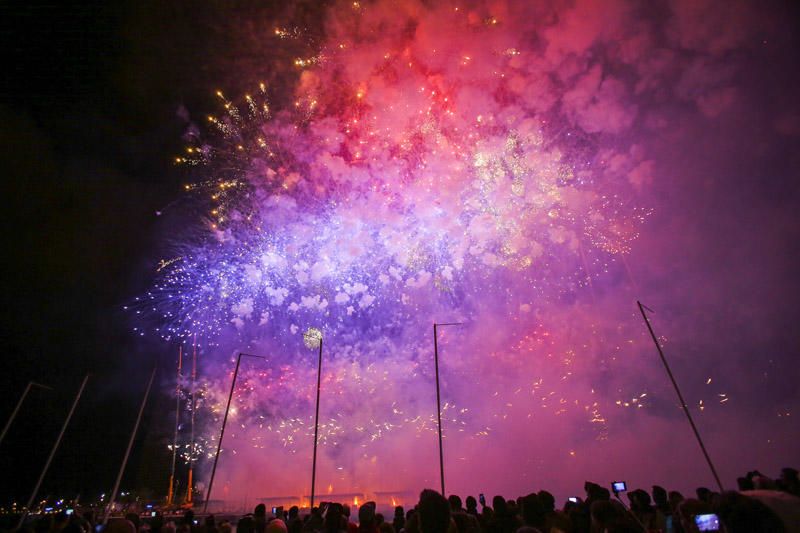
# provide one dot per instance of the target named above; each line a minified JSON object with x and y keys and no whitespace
{"x":482,"y":499}
{"x":619,"y":486}
{"x":573,"y":499}
{"x":706,"y":522}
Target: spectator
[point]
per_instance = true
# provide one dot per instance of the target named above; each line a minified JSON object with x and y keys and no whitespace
{"x":334,"y":519}
{"x":741,"y":514}
{"x":260,"y":518}
{"x":294,"y":524}
{"x":351,"y":527}
{"x":366,"y":518}
{"x":553,"y":519}
{"x":465,"y":522}
{"x":433,"y":512}
{"x":533,"y":512}
{"x":399,"y":521}
{"x":472,"y":506}
{"x":245,"y":524}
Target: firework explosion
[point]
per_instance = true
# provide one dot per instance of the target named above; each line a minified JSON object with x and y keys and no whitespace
{"x":436,"y":163}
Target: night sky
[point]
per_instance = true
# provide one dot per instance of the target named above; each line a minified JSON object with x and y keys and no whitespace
{"x":93,"y":103}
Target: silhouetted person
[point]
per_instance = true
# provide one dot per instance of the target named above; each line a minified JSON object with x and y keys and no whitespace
{"x":293,"y":524}
{"x":334,"y":519}
{"x":465,"y":522}
{"x":433,"y":512}
{"x":741,"y":514}
{"x":260,"y":518}
{"x":533,"y":512}
{"x":789,"y":481}
{"x":472,"y":505}
{"x":366,"y":518}
{"x":399,"y":520}
{"x":245,"y":524}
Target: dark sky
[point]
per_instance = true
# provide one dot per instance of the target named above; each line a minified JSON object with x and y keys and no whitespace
{"x":88,"y":113}
{"x":88,"y":127}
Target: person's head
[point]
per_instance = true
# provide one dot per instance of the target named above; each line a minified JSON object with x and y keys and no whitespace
{"x":260,"y":510}
{"x":346,"y":511}
{"x":245,"y":524}
{"x":499,"y":505}
{"x":276,"y":526}
{"x":293,"y":511}
{"x":210,"y":521}
{"x":366,"y":515}
{"x":703,"y":494}
{"x":547,"y":500}
{"x":604,"y":514}
{"x":675,"y":498}
{"x":398,"y":511}
{"x":789,"y":474}
{"x":639,"y":499}
{"x":334,"y":517}
{"x":379,"y":519}
{"x":596,"y":492}
{"x":744,"y":483}
{"x":741,"y":514}
{"x":660,"y":496}
{"x":455,"y":502}
{"x":434,"y":512}
{"x":533,"y":512}
{"x":472,"y":503}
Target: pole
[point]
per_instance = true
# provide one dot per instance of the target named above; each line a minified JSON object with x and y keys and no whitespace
{"x":222,"y":433}
{"x":26,"y":510}
{"x":19,"y":404}
{"x":316,"y":426}
{"x":189,"y":483}
{"x":680,"y":396}
{"x":130,"y":445}
{"x":171,"y":491}
{"x":438,"y":397}
{"x":438,"y":406}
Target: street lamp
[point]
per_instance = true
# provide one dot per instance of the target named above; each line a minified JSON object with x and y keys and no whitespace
{"x":312,"y":338}
{"x":19,"y":404}
{"x":685,"y":408}
{"x":438,"y":396}
{"x":224,"y":423}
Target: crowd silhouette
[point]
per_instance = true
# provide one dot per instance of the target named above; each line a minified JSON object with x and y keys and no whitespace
{"x":759,"y":505}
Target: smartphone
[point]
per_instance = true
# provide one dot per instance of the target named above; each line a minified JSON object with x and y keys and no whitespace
{"x":482,"y":499}
{"x":619,"y":486}
{"x":98,"y":528}
{"x":195,"y":521}
{"x":274,"y":510}
{"x":706,"y":522}
{"x":70,"y":511}
{"x":153,"y":514}
{"x":573,"y":499}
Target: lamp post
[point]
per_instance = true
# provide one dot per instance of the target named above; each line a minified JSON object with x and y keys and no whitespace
{"x":19,"y":404}
{"x":438,"y":395}
{"x":224,"y":423}
{"x":27,"y":508}
{"x":130,"y":445}
{"x":680,"y":396}
{"x":312,"y":338}
{"x":171,"y":491}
